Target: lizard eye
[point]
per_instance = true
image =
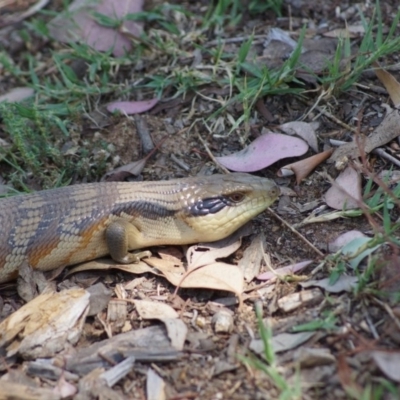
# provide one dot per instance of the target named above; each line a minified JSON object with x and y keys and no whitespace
{"x":236,"y":197}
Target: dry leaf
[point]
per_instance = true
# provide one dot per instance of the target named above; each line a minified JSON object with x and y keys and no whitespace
{"x":176,"y":328}
{"x":304,"y":167}
{"x":279,"y":35}
{"x":303,"y":129}
{"x":108,"y":264}
{"x":308,"y":357}
{"x":389,"y":363}
{"x":282,"y":342}
{"x":343,"y":240}
{"x":343,"y":284}
{"x":250,"y":263}
{"x":154,"y":310}
{"x":217,"y":276}
{"x":207,"y":253}
{"x":132,"y":169}
{"x":171,"y":253}
{"x":177,"y":331}
{"x":264,"y":151}
{"x":358,"y":249}
{"x":17,"y":94}
{"x":165,"y":266}
{"x":351,"y":31}
{"x":121,"y":173}
{"x":390,"y":82}
{"x":79,"y":23}
{"x":390,"y":177}
{"x":388,"y":130}
{"x":132,"y":107}
{"x":284,"y":271}
{"x":134,"y":283}
{"x":345,"y":193}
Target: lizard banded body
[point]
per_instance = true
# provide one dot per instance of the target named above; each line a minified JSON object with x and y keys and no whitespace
{"x":65,"y":226}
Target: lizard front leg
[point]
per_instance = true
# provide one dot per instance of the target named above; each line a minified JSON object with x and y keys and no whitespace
{"x":117,"y":236}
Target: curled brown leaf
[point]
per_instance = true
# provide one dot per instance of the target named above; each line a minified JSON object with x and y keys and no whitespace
{"x":304,"y":167}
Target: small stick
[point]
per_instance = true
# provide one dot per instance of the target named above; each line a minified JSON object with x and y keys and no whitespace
{"x":383,"y":154}
{"x":338,"y":121}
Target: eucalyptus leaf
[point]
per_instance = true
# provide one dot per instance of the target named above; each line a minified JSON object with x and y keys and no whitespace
{"x":352,"y":250}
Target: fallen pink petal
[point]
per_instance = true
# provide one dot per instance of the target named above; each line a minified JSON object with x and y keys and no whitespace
{"x":132,"y":107}
{"x":284,"y":271}
{"x":263,"y":152}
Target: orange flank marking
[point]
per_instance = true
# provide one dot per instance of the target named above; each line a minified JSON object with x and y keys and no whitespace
{"x":39,"y":252}
{"x":47,"y":245}
{"x":87,"y":237}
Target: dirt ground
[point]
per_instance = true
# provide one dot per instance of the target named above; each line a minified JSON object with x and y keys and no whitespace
{"x":338,"y":359}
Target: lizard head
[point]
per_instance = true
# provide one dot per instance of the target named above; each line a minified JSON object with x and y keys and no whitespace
{"x":220,"y":204}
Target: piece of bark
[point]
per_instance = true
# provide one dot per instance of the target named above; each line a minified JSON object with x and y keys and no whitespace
{"x":11,"y":390}
{"x":45,"y":325}
{"x":43,"y":369}
{"x":117,"y":312}
{"x":92,"y":386}
{"x":119,"y":371}
{"x":155,"y":386}
{"x":148,"y":345}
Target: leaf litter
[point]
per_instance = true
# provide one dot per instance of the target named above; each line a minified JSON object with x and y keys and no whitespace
{"x":203,"y":270}
{"x":176,"y":328}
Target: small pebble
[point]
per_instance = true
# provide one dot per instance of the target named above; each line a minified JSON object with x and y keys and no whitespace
{"x":222,"y":322}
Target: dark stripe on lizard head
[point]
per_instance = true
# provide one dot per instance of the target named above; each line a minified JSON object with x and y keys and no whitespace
{"x":208,"y":206}
{"x":146,"y":209}
{"x":151,"y":210}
